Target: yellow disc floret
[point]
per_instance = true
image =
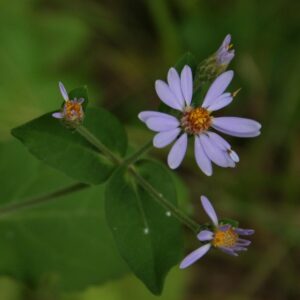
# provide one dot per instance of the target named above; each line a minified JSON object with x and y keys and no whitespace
{"x":73,"y":110}
{"x":196,"y":120}
{"x":73,"y":113}
{"x":225,"y":238}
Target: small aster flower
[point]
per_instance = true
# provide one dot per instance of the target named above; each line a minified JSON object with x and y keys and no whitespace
{"x":223,"y":236}
{"x":225,"y":53}
{"x":72,"y":112}
{"x":215,"y":64}
{"x":197,"y":122}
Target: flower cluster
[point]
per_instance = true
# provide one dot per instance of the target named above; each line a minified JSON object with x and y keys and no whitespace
{"x":222,"y":236}
{"x":188,"y":120}
{"x":72,"y":112}
{"x":197,"y":121}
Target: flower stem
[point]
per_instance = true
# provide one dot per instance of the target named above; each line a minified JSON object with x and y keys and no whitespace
{"x":21,"y":205}
{"x":177,"y":213}
{"x":136,"y":155}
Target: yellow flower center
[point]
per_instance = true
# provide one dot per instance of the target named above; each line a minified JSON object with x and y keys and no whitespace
{"x":226,"y":238}
{"x":196,"y":120}
{"x":73,"y":110}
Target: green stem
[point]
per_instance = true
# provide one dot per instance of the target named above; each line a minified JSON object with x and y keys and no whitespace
{"x":11,"y":208}
{"x":136,"y":155}
{"x":177,"y":213}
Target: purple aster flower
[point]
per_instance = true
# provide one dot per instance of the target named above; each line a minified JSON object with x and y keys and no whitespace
{"x":72,"y":111}
{"x":197,"y":121}
{"x":223,"y":236}
{"x":225,"y":53}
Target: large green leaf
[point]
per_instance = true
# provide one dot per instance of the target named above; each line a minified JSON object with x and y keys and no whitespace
{"x":65,"y":241}
{"x":67,"y":151}
{"x":148,"y":238}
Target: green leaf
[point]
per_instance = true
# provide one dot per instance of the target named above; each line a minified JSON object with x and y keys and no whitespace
{"x":186,"y":59}
{"x":148,"y":239}
{"x":64,"y":242}
{"x":67,"y":151}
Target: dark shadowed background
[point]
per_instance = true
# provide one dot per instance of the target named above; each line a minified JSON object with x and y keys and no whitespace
{"x":119,"y":48}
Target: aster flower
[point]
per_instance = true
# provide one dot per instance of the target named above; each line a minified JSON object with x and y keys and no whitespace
{"x":215,"y":64}
{"x":72,"y":112}
{"x":223,"y":236}
{"x":197,"y":122}
{"x":225,"y":53}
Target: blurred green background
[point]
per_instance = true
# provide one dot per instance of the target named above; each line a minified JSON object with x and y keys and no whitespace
{"x":119,"y":48}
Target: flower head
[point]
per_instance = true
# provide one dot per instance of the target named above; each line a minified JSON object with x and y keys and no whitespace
{"x":222,"y":236}
{"x":197,"y":121}
{"x":225,"y":53}
{"x":72,"y":112}
{"x":215,"y":64}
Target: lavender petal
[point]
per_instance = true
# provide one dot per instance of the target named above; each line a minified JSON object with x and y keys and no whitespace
{"x":210,"y":211}
{"x":239,"y":248}
{"x":218,"y":140}
{"x":235,"y":126}
{"x":177,"y":152}
{"x":165,"y":138}
{"x":202,"y":160}
{"x":166,"y":95}
{"x":241,"y":231}
{"x":144,"y":115}
{"x":58,"y":115}
{"x":213,"y":152}
{"x":162,"y":123}
{"x":217,"y":88}
{"x":187,"y":84}
{"x":226,"y":42}
{"x":224,"y":227}
{"x":224,"y":53}
{"x":229,"y":251}
{"x":194,"y":256}
{"x":243,"y":242}
{"x":63,"y":91}
{"x":231,"y":163}
{"x":220,"y":102}
{"x":175,"y":86}
{"x":80,"y":100}
{"x":234,"y":156}
{"x":205,"y":235}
